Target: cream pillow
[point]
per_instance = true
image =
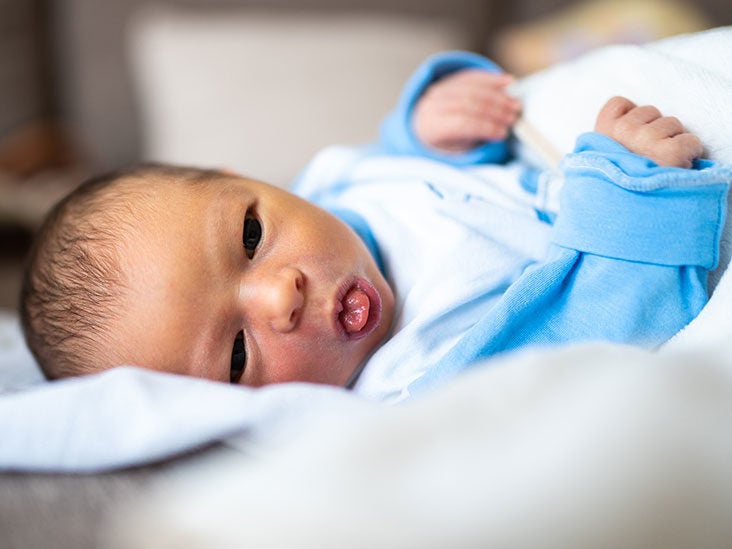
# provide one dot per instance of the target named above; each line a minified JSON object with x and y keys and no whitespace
{"x":261,"y":92}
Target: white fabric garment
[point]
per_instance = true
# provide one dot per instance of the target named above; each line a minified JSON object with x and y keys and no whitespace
{"x":435,"y":226}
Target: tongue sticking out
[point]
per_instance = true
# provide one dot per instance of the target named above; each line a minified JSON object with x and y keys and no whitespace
{"x":355,"y":311}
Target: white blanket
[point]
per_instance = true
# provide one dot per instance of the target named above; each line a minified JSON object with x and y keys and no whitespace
{"x":129,"y":416}
{"x":571,"y":449}
{"x":572,"y":446}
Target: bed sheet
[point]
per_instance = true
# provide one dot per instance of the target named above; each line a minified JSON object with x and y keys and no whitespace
{"x":131,"y":416}
{"x":17,"y":368}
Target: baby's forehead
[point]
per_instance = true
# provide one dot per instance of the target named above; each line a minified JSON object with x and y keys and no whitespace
{"x":142,"y":204}
{"x":165,"y":185}
{"x":138,"y":204}
{"x":157,"y":193}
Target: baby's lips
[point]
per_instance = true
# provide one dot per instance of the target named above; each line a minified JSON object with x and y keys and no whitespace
{"x":358,"y":311}
{"x":355,"y":313}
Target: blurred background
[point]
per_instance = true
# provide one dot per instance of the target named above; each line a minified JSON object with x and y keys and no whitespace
{"x":257,"y":86}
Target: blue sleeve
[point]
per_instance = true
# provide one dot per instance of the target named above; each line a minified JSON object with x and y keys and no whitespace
{"x":631,"y":249}
{"x":397,"y":135}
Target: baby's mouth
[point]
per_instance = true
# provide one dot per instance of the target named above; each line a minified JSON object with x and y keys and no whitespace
{"x":359,"y":309}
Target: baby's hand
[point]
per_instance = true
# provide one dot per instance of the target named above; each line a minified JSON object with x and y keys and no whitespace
{"x":643,"y":131}
{"x":464,"y":109}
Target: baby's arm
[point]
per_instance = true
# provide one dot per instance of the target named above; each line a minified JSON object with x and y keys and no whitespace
{"x":631,"y":246}
{"x":644,"y":131}
{"x":464,"y":109}
{"x":452,"y":89}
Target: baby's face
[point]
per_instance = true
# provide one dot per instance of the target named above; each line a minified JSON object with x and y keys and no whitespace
{"x":241,"y":281}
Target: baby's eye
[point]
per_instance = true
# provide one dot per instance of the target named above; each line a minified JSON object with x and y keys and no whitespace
{"x":252,"y":235}
{"x":238,"y":358}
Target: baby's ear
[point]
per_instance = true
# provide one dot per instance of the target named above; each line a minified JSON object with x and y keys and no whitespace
{"x":228,"y":171}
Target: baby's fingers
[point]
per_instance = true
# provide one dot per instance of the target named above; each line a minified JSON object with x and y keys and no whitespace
{"x":483,"y":94}
{"x":494,"y":105}
{"x":457,"y":132}
{"x":678,"y":151}
{"x":666,"y":126}
{"x":667,"y":142}
{"x":611,"y":112}
{"x":689,"y":148}
{"x":478,"y":78}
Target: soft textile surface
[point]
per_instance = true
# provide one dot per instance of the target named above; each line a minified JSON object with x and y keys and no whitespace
{"x":17,"y":369}
{"x":129,"y":416}
{"x":572,"y":449}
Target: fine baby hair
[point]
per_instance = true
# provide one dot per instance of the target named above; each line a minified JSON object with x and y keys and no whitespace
{"x":73,"y":286}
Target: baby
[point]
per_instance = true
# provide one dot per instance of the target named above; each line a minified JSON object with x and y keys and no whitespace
{"x":409,"y":261}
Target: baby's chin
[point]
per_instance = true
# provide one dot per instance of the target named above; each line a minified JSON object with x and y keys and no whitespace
{"x":377,"y":340}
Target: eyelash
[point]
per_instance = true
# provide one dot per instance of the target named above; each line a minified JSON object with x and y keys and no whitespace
{"x":238,"y":359}
{"x":251,"y":237}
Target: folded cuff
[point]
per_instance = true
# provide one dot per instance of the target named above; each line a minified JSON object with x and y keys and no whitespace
{"x":621,"y":205}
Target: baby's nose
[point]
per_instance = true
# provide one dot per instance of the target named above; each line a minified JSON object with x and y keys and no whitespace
{"x":280,"y":298}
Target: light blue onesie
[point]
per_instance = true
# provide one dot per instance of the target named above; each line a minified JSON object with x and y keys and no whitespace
{"x":480,"y":267}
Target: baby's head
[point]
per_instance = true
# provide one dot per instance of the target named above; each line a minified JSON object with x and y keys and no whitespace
{"x":201,"y":273}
